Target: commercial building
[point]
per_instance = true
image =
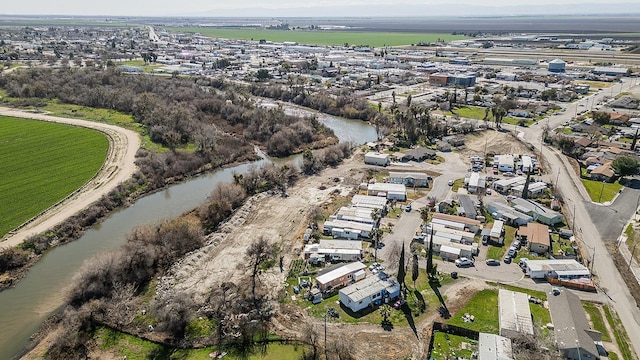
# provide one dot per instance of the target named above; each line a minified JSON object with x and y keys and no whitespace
{"x":610,"y":71}
{"x":561,"y":269}
{"x":556,"y":65}
{"x":514,"y":313}
{"x":372,"y":291}
{"x":375,"y":158}
{"x":537,"y":237}
{"x":574,"y":338}
{"x":339,"y":275}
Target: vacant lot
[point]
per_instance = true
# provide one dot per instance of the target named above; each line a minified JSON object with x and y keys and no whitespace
{"x":375,"y":39}
{"x":41,"y":163}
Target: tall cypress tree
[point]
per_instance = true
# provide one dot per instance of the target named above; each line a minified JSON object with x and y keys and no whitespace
{"x":401,"y":270}
{"x":430,"y":256}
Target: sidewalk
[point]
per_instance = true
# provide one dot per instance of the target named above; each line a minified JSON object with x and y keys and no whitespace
{"x":625,"y":252}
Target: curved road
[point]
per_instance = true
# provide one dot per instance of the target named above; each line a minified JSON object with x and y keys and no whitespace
{"x":118,"y":167}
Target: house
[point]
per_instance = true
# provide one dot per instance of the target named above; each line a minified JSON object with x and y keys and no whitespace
{"x":443,"y":146}
{"x":470,"y":225}
{"x":467,"y":207}
{"x":355,"y":214}
{"x":510,"y":215}
{"x":574,"y":338}
{"x":494,"y":347}
{"x":388,"y":190}
{"x":603,"y":172}
{"x":514,"y":314}
{"x":505,"y":162}
{"x":409,"y":178}
{"x":527,"y":164}
{"x":561,"y":269}
{"x":333,"y":250}
{"x":536,"y":236}
{"x":347,"y":229}
{"x":369,"y":202}
{"x":505,"y":185}
{"x":420,"y":154}
{"x":376,"y":158}
{"x":338,"y":275}
{"x":496,"y":235}
{"x":535,"y":189}
{"x":372,"y":291}
{"x":537,"y":211}
{"x":475,"y":182}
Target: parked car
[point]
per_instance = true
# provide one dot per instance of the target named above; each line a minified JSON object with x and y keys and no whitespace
{"x":512,"y":252}
{"x":488,"y":192}
{"x":509,"y":174}
{"x":463,"y":261}
{"x":450,"y":183}
{"x":492,"y":262}
{"x":398,"y":304}
{"x":507,"y":259}
{"x":407,"y":208}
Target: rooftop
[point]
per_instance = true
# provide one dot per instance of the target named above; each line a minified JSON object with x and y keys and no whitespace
{"x":370,"y":286}
{"x":515,"y":314}
{"x":335,"y":273}
{"x":570,"y":323}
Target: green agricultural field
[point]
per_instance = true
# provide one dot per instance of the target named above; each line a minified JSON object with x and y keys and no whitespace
{"x":41,"y":163}
{"x":375,"y":39}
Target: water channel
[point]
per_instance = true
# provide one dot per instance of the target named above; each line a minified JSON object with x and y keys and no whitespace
{"x":41,"y":292}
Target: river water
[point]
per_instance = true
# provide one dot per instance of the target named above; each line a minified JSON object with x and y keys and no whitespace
{"x":41,"y":292}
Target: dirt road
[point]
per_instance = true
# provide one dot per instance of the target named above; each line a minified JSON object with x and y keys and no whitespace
{"x":118,"y":167}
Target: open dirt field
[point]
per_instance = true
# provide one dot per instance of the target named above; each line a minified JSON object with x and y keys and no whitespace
{"x":495,"y":142}
{"x":118,"y":167}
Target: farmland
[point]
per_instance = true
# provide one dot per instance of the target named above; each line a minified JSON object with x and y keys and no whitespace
{"x":41,"y":163}
{"x":375,"y":39}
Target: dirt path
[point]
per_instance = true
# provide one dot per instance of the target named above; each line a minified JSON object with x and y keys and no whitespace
{"x":118,"y":167}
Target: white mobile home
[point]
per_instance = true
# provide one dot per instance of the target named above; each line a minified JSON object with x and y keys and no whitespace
{"x":390,"y":191}
{"x":339,"y":275}
{"x":347,"y":229}
{"x":497,"y":231}
{"x":374,"y":290}
{"x":372,"y":202}
{"x":375,"y":158}
{"x":409,"y":178}
{"x":505,"y":162}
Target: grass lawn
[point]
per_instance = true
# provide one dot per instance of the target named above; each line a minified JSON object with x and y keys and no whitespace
{"x":595,"y":188}
{"x":477,"y":112}
{"x":484,"y":307}
{"x":374,"y":39}
{"x":41,"y":163}
{"x":448,"y":346}
{"x":134,"y":348}
{"x":596,"y":84}
{"x":618,"y":332}
{"x":457,"y":184}
{"x":496,"y":252}
{"x":541,"y":316}
{"x":596,"y":319}
{"x":147,"y":67}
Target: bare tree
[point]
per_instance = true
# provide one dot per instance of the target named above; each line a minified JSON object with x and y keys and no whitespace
{"x":258,"y":253}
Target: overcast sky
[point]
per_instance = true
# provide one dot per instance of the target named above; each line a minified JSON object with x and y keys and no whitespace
{"x":195,"y":7}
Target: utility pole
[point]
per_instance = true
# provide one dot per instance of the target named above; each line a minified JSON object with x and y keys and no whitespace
{"x":601,"y":191}
{"x":557,"y":177}
{"x":573,"y":223}
{"x":632,"y":252}
{"x":593,"y":259}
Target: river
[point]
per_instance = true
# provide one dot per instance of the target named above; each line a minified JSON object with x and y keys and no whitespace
{"x":42,"y":291}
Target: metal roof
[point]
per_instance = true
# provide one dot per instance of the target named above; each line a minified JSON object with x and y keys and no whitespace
{"x":515,"y":314}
